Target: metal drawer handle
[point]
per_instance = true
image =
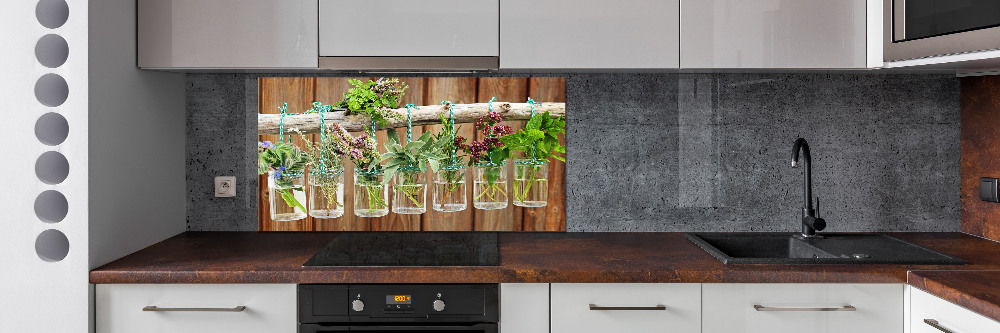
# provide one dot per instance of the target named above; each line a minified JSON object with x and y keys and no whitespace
{"x":234,"y":309}
{"x":935,"y":324}
{"x":759,"y":307}
{"x":628,"y":308}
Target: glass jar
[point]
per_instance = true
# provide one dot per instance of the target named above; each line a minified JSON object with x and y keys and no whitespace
{"x":371,"y":196}
{"x":449,"y":189}
{"x":531,"y":183}
{"x":409,"y":191}
{"x":489,"y":189}
{"x":286,"y":195}
{"x":326,"y":193}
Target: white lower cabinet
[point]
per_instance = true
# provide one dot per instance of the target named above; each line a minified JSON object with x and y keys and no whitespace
{"x":802,"y":308}
{"x":196,"y":308}
{"x":930,"y":314}
{"x":524,"y":308}
{"x":626,"y":307}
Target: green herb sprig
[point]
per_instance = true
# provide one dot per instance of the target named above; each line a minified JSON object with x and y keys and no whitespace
{"x":540,"y":136}
{"x":374,"y":98}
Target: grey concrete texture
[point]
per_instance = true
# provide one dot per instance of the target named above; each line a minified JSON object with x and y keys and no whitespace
{"x":221,"y":141}
{"x":682,"y":152}
{"x":712,"y":152}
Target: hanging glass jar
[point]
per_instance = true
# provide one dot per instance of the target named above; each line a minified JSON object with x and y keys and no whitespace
{"x":286,"y":195}
{"x":489,"y":186}
{"x":371,"y":196}
{"x":449,"y":189}
{"x":409,"y":191}
{"x":531,"y":183}
{"x":326,"y":192}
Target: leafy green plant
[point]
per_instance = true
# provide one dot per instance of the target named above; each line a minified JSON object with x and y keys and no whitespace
{"x":285,"y":160}
{"x":374,"y":98}
{"x":539,"y":139}
{"x":490,"y":153}
{"x":410,"y":160}
{"x":450,"y":147}
{"x":326,"y":158}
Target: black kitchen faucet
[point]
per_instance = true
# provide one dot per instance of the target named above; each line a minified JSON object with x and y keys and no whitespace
{"x":810,"y":222}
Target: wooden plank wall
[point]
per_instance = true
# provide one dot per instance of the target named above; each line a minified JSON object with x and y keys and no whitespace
{"x":300,"y":93}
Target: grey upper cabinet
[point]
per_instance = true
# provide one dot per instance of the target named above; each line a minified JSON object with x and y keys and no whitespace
{"x":409,"y":28}
{"x":584,"y":34}
{"x":221,"y":34}
{"x":409,"y":34}
{"x":780,"y":34}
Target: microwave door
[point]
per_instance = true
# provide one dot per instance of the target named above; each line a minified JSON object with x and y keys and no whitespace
{"x":916,"y":19}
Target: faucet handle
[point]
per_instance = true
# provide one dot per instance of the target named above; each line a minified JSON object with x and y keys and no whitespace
{"x":817,"y":206}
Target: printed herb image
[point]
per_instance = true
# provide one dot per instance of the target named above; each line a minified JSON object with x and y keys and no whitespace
{"x":417,"y":160}
{"x":284,"y":163}
{"x":405,"y":165}
{"x":538,"y":141}
{"x":488,"y":159}
{"x":449,"y":181}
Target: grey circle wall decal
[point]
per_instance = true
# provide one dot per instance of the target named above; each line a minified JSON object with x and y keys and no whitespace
{"x":51,"y":129}
{"x":51,"y":206}
{"x":51,"y":90}
{"x":52,"y":245}
{"x":52,"y":13}
{"x":51,"y":51}
{"x":52,"y":167}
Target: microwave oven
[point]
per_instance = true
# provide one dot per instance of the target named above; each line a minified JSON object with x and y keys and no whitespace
{"x":915,"y":29}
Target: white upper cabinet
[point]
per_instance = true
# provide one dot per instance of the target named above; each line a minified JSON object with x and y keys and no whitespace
{"x":409,"y":28}
{"x":222,"y":34}
{"x":582,"y":34}
{"x":779,"y":33}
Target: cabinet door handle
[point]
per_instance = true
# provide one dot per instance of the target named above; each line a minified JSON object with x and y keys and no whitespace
{"x":935,"y":324}
{"x":759,"y":307}
{"x":628,"y":308}
{"x":233,"y":309}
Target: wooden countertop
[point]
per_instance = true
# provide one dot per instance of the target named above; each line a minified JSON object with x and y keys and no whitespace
{"x":255,"y":257}
{"x":274,"y":257}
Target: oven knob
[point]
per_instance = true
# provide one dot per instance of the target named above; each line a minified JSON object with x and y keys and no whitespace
{"x":438,"y":305}
{"x":358,"y":305}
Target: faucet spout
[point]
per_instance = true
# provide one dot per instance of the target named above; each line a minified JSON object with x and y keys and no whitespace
{"x":810,"y":222}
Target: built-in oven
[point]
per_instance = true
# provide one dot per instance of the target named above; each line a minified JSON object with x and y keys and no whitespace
{"x":927,"y":28}
{"x":466,"y":308}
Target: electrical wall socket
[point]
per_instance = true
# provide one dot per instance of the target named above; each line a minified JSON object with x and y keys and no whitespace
{"x":225,"y":186}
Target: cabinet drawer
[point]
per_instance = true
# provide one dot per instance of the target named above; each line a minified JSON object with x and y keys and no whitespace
{"x":633,"y":308}
{"x":776,"y":308}
{"x":268,"y":308}
{"x":949,"y":316}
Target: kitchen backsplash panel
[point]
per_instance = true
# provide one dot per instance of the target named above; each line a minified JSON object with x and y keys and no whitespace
{"x":682,"y":152}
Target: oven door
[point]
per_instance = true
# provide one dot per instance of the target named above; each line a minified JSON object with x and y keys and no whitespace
{"x":926,"y":28}
{"x":472,"y":328}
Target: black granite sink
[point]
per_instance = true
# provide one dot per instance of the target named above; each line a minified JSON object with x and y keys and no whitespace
{"x":830,"y":249}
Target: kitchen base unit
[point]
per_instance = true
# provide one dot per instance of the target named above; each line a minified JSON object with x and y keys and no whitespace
{"x":195,"y":308}
{"x":802,"y":308}
{"x":930,"y":314}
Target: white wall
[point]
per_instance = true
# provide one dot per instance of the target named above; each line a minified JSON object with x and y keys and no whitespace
{"x":124,"y":187}
{"x":136,"y":159}
{"x":37,"y":295}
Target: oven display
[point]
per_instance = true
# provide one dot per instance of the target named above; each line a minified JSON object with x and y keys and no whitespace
{"x":397,"y":299}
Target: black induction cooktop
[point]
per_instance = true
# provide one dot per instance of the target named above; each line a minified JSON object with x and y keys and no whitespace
{"x":422,"y":248}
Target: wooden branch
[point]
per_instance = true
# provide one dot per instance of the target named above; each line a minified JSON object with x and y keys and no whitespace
{"x":267,"y":124}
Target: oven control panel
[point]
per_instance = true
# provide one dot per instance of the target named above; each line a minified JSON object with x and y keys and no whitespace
{"x":389,"y":303}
